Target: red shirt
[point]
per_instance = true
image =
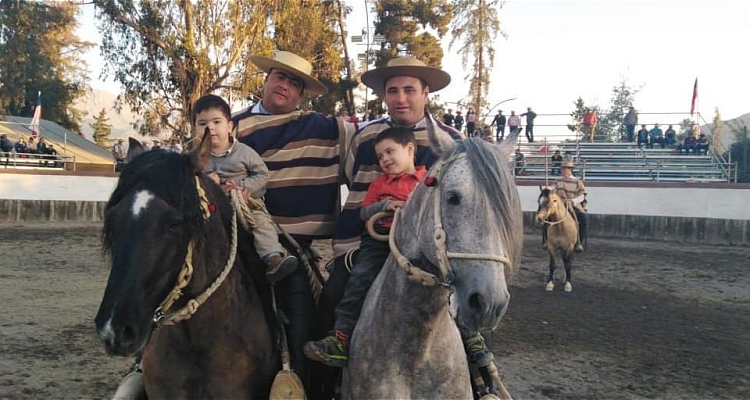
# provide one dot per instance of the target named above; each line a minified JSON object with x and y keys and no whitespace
{"x":589,"y":118}
{"x":393,"y":187}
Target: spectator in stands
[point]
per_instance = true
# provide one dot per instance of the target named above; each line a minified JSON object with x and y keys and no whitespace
{"x":568,"y":156}
{"x":499,"y":123}
{"x":118,"y":152}
{"x":471,"y":122}
{"x":589,"y":123}
{"x":458,"y":121}
{"x":556,"y":161}
{"x":371,"y":115}
{"x":156,"y":144}
{"x":21,"y":148}
{"x":689,"y":145}
{"x":643,"y":136}
{"x":31,"y":146}
{"x":448,"y":117}
{"x":530,"y":115}
{"x":52,"y":154}
{"x":175,"y":146}
{"x":630,"y":120}
{"x":520,"y":160}
{"x":656,"y":135}
{"x":6,"y":146}
{"x":670,"y":137}
{"x":41,"y":149}
{"x":514,"y":123}
{"x":701,"y":146}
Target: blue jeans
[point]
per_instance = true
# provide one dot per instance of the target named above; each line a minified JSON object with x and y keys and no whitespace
{"x":370,"y":259}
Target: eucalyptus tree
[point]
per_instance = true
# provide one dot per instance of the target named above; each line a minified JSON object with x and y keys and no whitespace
{"x":39,"y":51}
{"x":476,"y":26}
{"x":168,"y":53}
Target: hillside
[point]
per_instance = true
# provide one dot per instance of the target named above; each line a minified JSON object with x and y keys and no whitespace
{"x":729,"y":125}
{"x":93,"y":102}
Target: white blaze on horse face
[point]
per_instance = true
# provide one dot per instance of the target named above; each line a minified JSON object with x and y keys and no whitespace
{"x":453,"y":305}
{"x":140,"y":202}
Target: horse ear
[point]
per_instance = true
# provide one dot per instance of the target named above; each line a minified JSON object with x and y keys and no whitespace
{"x":201,"y":154}
{"x":135,"y":148}
{"x":440,"y":142}
{"x":506,"y":149}
{"x":541,"y":189}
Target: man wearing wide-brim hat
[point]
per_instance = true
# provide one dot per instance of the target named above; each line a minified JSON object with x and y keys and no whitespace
{"x":574,"y":192}
{"x":405,"y":83}
{"x":309,"y":155}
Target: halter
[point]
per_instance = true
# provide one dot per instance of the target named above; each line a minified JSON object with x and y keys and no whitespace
{"x":553,"y":223}
{"x":186,"y":273}
{"x":418,"y":275}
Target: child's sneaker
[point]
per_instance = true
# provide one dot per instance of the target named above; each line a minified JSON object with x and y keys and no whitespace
{"x":332,"y":350}
{"x":280,"y":267}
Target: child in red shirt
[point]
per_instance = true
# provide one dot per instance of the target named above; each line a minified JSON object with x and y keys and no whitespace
{"x":396,"y":150}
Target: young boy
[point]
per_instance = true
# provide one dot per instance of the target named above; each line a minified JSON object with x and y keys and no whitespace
{"x":396,"y":149}
{"x":236,"y":166}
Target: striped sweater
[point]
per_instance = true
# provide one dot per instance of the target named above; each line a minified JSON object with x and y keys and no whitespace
{"x":309,"y":156}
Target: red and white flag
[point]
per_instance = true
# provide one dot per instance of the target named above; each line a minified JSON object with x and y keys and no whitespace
{"x":695,"y":97}
{"x":35,"y":121}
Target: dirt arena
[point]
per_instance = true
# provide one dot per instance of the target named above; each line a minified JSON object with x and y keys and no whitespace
{"x":644,"y":321}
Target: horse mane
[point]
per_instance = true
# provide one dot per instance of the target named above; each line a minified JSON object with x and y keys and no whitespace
{"x":493,"y":177}
{"x":170,"y":177}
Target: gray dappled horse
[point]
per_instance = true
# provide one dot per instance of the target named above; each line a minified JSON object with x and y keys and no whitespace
{"x":179,"y":290}
{"x":460,"y":237}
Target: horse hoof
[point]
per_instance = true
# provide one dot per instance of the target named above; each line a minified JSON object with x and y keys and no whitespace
{"x":568,"y":287}
{"x":550,"y":286}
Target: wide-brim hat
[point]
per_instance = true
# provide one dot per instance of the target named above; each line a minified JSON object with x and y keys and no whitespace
{"x":436,"y":78}
{"x":567,"y":164}
{"x":294,"y":64}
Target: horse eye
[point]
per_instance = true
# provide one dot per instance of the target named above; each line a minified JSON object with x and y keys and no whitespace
{"x":453,"y":198}
{"x":173,"y":224}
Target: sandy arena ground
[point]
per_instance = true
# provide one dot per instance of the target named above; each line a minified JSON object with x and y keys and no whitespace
{"x":644,"y":321}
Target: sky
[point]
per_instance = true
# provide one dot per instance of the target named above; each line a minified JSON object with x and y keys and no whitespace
{"x":557,"y":51}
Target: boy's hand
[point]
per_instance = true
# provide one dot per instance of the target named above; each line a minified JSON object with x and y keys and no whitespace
{"x":215,"y":178}
{"x":395,"y":204}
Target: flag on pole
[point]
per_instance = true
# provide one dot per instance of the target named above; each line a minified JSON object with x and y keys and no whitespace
{"x":695,"y":97}
{"x":34,"y":126}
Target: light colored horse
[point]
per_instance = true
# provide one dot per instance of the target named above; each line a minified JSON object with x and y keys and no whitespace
{"x":455,"y":245}
{"x":562,"y":233}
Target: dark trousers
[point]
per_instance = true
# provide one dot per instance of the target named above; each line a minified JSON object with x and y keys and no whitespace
{"x":583,"y":224}
{"x":630,"y":129}
{"x":530,"y":132}
{"x":500,"y":133}
{"x":370,"y":260}
{"x":470,"y":127}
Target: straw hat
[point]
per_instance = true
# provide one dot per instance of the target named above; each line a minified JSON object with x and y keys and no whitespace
{"x":567,"y":164}
{"x":406,"y":66}
{"x":294,"y":64}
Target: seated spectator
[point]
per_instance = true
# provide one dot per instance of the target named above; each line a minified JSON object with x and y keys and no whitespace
{"x":568,"y":156}
{"x":689,"y":145}
{"x":670,"y":137}
{"x":6,"y":146}
{"x":656,"y":135}
{"x":643,"y":136}
{"x":41,"y":149}
{"x":175,"y":146}
{"x":701,"y":145}
{"x":557,"y":159}
{"x":52,"y":154}
{"x":520,"y":163}
{"x":20,"y":148}
{"x":31,"y":146}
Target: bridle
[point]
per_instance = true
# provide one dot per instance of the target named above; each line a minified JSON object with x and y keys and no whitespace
{"x":161,"y":314}
{"x":552,"y":223}
{"x":418,"y":275}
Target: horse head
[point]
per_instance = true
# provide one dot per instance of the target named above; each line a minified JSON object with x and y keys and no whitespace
{"x":550,"y":205}
{"x":157,"y":215}
{"x":465,"y":222}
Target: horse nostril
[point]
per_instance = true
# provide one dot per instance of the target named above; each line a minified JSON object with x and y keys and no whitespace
{"x":476,"y":303}
{"x":127,"y":335}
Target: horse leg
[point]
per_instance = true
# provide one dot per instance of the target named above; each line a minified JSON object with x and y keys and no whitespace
{"x":568,"y":261}
{"x":551,"y":280}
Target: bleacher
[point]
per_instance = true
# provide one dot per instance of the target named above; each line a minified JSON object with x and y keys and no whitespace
{"x":624,"y":162}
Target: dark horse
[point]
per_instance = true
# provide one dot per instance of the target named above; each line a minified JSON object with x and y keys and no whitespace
{"x":172,"y":236}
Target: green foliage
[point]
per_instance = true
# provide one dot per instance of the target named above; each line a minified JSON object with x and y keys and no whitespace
{"x":609,"y":126}
{"x":476,"y":25}
{"x":740,"y":154}
{"x":39,"y":51}
{"x":102,"y":130}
